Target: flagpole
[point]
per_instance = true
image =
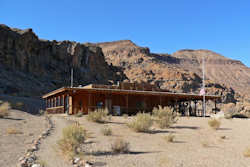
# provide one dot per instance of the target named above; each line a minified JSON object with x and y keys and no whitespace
{"x":71,"y":84}
{"x":203,"y":81}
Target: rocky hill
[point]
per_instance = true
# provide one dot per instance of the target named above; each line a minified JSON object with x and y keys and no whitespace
{"x":30,"y":66}
{"x":181,"y":71}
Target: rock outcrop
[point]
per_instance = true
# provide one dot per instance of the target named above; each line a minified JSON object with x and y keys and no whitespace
{"x":172,"y":72}
{"x":31,"y":66}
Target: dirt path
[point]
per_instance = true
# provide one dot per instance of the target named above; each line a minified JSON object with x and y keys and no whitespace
{"x":48,"y":151}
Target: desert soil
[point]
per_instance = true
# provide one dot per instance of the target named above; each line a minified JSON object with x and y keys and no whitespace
{"x":14,"y":146}
{"x":195,"y":144}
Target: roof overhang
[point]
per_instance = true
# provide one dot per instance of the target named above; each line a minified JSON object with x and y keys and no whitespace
{"x":131,"y":92}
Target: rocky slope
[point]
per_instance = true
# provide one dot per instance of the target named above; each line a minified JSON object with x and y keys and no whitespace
{"x":219,"y":69}
{"x":173,"y":72}
{"x":31,"y":66}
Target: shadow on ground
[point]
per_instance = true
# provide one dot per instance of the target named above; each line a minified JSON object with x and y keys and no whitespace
{"x":105,"y":153}
{"x":186,"y":127}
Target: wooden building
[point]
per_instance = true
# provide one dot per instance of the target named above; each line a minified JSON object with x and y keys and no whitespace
{"x":126,"y":97}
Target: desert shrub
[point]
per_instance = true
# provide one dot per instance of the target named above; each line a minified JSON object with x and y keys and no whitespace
{"x":223,"y":137}
{"x":169,"y":138}
{"x":4,"y":109}
{"x":106,"y":131}
{"x":246,"y":153}
{"x":43,"y":112}
{"x":13,"y":130}
{"x":19,"y":105}
{"x":99,"y":116}
{"x":42,"y":163}
{"x":79,"y":114}
{"x":73,"y":136}
{"x":141,"y":123}
{"x":205,"y":143}
{"x":164,"y":116}
{"x":120,"y":146}
{"x":230,"y":110}
{"x":125,"y":116}
{"x":214,"y":123}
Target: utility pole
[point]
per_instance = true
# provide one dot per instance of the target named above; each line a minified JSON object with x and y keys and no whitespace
{"x":203,"y":81}
{"x":71,"y":85}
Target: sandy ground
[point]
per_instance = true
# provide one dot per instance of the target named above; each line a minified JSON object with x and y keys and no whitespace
{"x":196,"y":144}
{"x":13,"y":146}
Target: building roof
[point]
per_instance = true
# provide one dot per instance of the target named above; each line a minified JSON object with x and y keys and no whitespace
{"x":184,"y":96}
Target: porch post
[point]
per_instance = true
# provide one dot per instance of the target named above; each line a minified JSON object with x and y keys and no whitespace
{"x":215,"y":107}
{"x":160,"y":101}
{"x":70,"y":104}
{"x":127,"y":103}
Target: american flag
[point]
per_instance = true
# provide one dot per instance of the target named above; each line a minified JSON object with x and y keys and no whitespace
{"x":202,"y":91}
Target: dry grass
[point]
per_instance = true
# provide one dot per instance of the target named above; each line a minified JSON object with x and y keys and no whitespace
{"x":164,"y":116}
{"x":4,"y":109}
{"x":205,"y":143}
{"x":19,"y":105}
{"x":223,"y":137}
{"x":73,"y":136}
{"x":214,"y":123}
{"x":79,"y":114}
{"x":99,"y":116}
{"x":125,"y":116}
{"x":169,"y":138}
{"x":246,"y":153}
{"x":13,"y":130}
{"x":106,"y":131}
{"x":120,"y":146}
{"x":42,"y":163}
{"x":141,"y":123}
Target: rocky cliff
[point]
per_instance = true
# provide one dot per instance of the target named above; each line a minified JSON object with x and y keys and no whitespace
{"x":181,"y":71}
{"x":32,"y":66}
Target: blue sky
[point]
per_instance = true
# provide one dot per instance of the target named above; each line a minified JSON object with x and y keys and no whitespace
{"x":165,"y":26}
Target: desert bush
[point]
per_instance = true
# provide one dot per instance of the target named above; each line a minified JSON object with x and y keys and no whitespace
{"x":19,"y":105}
{"x":223,"y":137}
{"x":99,"y":116}
{"x":246,"y":153}
{"x":73,"y":136}
{"x":106,"y":131}
{"x":79,"y":114}
{"x":169,"y":138}
{"x":42,"y":163}
{"x":205,"y":143}
{"x":214,"y":123}
{"x":164,"y":116}
{"x":120,"y":146}
{"x":13,"y":130}
{"x":43,"y":112}
{"x":125,"y":116}
{"x":230,"y":110}
{"x":4,"y":109}
{"x":141,"y":123}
